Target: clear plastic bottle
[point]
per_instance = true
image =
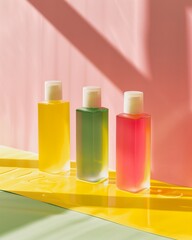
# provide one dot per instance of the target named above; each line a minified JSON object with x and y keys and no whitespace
{"x":133,"y":144}
{"x":92,"y":137}
{"x":54,"y":130}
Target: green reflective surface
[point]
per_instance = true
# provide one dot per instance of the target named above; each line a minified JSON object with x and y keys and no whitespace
{"x":22,"y":218}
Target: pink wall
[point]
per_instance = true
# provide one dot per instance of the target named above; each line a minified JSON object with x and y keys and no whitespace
{"x":116,"y":44}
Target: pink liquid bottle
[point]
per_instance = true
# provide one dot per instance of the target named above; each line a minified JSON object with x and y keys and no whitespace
{"x":133,"y":144}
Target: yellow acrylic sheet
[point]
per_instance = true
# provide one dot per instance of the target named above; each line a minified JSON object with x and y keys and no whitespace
{"x":164,"y":209}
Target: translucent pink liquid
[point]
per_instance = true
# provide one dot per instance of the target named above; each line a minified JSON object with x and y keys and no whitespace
{"x":133,"y":152}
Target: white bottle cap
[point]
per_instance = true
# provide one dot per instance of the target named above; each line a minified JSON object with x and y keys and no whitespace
{"x":53,"y":90}
{"x":91,"y":97}
{"x":133,"y":102}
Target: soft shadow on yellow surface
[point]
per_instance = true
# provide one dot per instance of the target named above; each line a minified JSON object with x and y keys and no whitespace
{"x":163,"y":209}
{"x":22,"y":163}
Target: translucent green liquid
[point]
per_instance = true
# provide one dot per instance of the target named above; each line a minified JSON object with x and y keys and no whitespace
{"x":92,"y":143}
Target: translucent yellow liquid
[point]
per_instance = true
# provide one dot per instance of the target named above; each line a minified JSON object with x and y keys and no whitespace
{"x":54,"y":136}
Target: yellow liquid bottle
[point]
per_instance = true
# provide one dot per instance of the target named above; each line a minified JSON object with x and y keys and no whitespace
{"x":54,"y":130}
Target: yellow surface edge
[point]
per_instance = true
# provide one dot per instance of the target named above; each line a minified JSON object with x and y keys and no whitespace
{"x":163,"y":209}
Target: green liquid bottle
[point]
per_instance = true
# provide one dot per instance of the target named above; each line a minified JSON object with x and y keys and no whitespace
{"x":92,"y":137}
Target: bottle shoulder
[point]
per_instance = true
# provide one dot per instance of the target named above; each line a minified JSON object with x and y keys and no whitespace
{"x":56,"y":102}
{"x":134,"y":116}
{"x":92,"y":110}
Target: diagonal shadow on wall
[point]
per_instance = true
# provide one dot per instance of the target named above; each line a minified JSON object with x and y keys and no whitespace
{"x":89,"y":42}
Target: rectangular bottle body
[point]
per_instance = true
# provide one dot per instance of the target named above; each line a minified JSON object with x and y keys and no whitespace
{"x":133,"y":152}
{"x":54,"y":136}
{"x":92,"y":144}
